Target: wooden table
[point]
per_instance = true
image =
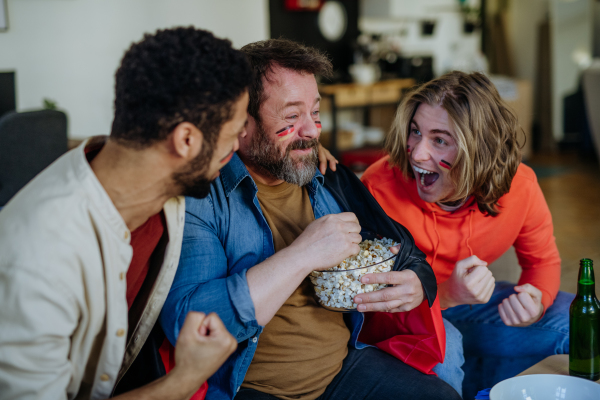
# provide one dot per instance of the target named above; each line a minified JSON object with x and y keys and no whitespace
{"x":557,"y":364}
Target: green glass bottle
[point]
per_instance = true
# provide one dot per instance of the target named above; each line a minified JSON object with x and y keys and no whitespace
{"x":584,"y":326}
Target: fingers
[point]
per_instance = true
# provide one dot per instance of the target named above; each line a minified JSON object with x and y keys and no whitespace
{"x":322,"y":165}
{"x":214,"y":324}
{"x":193,"y":323}
{"x":486,"y":294}
{"x":346,"y":216}
{"x":355,"y":238}
{"x":351,"y":227}
{"x":532,"y":290}
{"x":479,"y":273}
{"x":383,"y":296}
{"x":333,"y":163}
{"x":463,"y":266}
{"x":387,"y":306}
{"x":530,"y":304}
{"x":392,"y":277}
{"x":395,"y":249}
{"x":408,"y":292}
{"x":519,"y":310}
{"x":503,"y":315}
{"x":479,"y":279}
{"x":326,"y":157}
{"x":322,"y":160}
{"x":511,"y":316}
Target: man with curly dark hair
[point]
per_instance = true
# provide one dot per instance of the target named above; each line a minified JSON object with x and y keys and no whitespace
{"x":90,"y":247}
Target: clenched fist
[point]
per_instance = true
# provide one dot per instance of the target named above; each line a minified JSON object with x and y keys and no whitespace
{"x":202,"y":347}
{"x":523,"y":308}
{"x":471,"y":282}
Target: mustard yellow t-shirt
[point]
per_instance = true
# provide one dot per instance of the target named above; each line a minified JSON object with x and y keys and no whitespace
{"x":302,"y":348}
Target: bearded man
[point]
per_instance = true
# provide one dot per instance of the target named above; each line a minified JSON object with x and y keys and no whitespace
{"x":90,"y":246}
{"x":270,"y":219}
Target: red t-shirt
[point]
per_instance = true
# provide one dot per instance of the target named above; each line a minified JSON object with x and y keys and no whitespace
{"x":143,"y":241}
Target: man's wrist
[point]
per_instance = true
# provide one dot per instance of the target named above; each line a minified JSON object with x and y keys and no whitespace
{"x":184,"y":382}
{"x":294,"y":261}
{"x":445,"y":300}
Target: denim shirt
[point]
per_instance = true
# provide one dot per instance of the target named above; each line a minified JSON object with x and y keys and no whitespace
{"x":225,"y":234}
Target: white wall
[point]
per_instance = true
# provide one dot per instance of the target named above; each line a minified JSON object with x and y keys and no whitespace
{"x":69,"y":50}
{"x":450,"y":46}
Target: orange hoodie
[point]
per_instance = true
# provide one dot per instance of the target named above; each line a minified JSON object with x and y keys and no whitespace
{"x":447,"y":237}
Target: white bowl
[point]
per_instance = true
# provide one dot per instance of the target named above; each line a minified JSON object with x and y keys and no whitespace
{"x":545,"y":387}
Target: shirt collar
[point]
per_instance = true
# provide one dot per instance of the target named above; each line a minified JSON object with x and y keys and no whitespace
{"x":96,"y":193}
{"x":235,"y":171}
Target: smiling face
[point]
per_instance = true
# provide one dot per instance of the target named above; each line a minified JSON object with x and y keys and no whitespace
{"x":282,"y":146}
{"x":432,"y":151}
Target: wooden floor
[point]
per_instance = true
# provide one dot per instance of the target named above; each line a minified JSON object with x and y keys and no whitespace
{"x":572,"y":190}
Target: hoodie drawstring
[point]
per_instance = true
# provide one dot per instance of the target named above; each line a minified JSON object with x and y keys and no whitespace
{"x":435,"y":250}
{"x":470,"y":231}
{"x":437,"y":245}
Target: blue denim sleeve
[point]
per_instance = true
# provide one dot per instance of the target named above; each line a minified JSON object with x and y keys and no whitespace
{"x":203,"y":281}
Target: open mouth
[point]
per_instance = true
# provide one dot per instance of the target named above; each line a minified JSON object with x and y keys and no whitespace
{"x":427,"y":178}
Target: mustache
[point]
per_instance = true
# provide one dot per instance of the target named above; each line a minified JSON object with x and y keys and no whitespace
{"x":303,"y":144}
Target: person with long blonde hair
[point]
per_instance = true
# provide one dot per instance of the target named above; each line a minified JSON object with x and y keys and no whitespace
{"x":454,"y":178}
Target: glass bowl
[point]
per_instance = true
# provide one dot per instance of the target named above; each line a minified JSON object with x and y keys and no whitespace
{"x":335,"y":289}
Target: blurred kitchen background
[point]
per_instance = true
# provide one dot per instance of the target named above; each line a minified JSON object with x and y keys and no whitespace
{"x":58,"y":59}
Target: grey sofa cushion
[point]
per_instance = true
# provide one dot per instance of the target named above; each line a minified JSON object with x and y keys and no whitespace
{"x":29,"y":142}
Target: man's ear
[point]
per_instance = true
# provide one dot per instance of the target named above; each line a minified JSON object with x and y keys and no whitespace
{"x":245,"y":131}
{"x":186,"y":141}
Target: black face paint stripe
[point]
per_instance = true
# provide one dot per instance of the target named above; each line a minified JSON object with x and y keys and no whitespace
{"x":284,"y":129}
{"x":445,"y":164}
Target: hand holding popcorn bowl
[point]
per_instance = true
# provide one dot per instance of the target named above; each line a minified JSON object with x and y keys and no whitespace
{"x":336,"y":287}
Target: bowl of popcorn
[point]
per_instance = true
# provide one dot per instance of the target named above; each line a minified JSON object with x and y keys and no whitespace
{"x":336,"y":287}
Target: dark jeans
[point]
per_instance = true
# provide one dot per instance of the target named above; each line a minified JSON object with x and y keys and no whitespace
{"x":373,"y":374}
{"x":494,"y":351}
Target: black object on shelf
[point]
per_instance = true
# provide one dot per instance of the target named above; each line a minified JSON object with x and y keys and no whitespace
{"x":303,"y":27}
{"x":418,"y":68}
{"x":427,"y":28}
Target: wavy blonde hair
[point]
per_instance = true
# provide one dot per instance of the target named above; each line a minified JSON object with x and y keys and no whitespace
{"x":485,"y":130}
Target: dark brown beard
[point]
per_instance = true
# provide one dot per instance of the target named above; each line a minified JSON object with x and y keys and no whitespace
{"x":192,"y":181}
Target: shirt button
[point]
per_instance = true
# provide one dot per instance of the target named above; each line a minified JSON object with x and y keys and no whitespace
{"x":104,"y":377}
{"x":126,"y":235}
{"x":120,"y":332}
{"x":254,"y":339}
{"x":122,"y":275}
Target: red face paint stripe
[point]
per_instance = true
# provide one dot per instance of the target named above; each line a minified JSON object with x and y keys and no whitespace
{"x":286,"y":131}
{"x":318,"y":124}
{"x":445,"y":164}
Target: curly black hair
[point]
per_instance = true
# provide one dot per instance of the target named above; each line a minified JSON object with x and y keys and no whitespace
{"x":174,"y":76}
{"x":266,"y":54}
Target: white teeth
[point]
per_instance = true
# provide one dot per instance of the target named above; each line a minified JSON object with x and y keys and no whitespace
{"x":422,"y":171}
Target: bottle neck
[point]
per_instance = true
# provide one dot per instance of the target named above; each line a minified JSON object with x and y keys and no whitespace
{"x":586,"y":285}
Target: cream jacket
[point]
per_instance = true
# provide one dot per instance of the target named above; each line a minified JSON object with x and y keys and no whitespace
{"x":64,"y":254}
